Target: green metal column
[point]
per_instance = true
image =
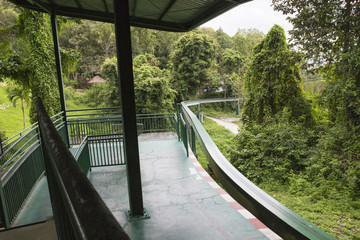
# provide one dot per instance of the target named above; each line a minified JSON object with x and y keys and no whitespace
{"x":198,"y":111}
{"x":59,"y":71}
{"x":125,"y":69}
{"x":4,"y":216}
{"x":238,"y":109}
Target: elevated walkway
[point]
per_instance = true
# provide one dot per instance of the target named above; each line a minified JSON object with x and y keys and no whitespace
{"x":182,"y":200}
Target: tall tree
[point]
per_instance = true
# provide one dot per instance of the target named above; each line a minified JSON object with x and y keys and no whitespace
{"x":190,"y":64}
{"x":328,"y":33}
{"x":272,"y":83}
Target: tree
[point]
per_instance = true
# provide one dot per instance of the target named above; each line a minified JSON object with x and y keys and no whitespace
{"x":246,"y":39}
{"x":231,"y":63}
{"x":109,"y":72}
{"x":153,"y":93}
{"x":15,"y":93}
{"x":327,"y":32}
{"x":190,"y":64}
{"x":272,"y":83}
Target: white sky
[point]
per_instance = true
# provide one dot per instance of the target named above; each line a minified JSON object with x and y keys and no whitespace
{"x":255,"y":14}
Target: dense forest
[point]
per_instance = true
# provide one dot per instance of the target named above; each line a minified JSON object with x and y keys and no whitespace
{"x":300,"y":98}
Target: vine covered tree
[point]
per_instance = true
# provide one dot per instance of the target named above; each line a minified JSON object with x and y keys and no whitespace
{"x":190,"y":64}
{"x":277,"y":130}
{"x":41,"y":62}
{"x":272,"y":83}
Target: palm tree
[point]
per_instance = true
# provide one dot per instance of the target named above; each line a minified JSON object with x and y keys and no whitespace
{"x":19,"y":92}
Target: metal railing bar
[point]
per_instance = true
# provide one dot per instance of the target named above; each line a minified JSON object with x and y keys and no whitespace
{"x":18,"y":163}
{"x":16,"y":154}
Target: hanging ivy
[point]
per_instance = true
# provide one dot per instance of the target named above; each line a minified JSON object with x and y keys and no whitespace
{"x":43,"y":83}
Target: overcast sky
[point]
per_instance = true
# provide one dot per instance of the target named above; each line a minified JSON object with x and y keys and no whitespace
{"x":255,"y":14}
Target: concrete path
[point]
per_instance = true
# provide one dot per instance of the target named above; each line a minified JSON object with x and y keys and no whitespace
{"x":227,"y":123}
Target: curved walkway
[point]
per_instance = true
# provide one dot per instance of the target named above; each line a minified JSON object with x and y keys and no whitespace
{"x":227,"y":123}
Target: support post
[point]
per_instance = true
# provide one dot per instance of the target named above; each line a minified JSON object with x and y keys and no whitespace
{"x":59,"y":72}
{"x":198,"y":111}
{"x":125,"y":73}
{"x":238,"y":109}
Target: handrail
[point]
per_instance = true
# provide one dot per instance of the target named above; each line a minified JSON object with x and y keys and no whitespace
{"x":276,"y":216}
{"x":79,"y":211}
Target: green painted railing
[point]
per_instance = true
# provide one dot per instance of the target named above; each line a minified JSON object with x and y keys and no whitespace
{"x":79,"y":211}
{"x":82,"y":156}
{"x":106,"y":150}
{"x":276,"y":216}
{"x":105,"y":121}
{"x":22,"y":166}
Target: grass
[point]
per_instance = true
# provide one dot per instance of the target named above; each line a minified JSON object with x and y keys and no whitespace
{"x":336,"y":214}
{"x":221,"y":136}
{"x":11,"y":120}
{"x":217,"y":110}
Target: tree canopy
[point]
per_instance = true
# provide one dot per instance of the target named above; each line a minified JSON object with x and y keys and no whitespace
{"x":327,"y":32}
{"x":190,"y":64}
{"x":272,"y":82}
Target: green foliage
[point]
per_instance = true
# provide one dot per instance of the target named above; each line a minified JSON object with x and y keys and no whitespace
{"x":190,"y":64}
{"x":11,"y":119}
{"x":272,"y":151}
{"x":109,"y":72}
{"x":43,"y":83}
{"x":18,"y":92}
{"x":246,"y":39}
{"x":336,"y":160}
{"x":327,"y":34}
{"x":95,"y":95}
{"x":153,"y":93}
{"x":273,"y":81}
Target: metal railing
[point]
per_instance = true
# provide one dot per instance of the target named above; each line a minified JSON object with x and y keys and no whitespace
{"x":79,"y":211}
{"x":105,"y":121}
{"x":106,"y":150}
{"x":276,"y":216}
{"x":22,"y":165}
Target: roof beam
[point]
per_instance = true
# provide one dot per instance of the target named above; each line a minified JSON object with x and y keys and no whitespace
{"x":105,"y":5}
{"x":78,"y":4}
{"x":172,"y":2}
{"x":134,"y":8}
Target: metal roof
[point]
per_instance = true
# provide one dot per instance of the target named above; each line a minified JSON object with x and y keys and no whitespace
{"x":169,"y":15}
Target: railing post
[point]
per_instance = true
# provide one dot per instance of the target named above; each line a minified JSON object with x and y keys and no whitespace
{"x":198,"y":111}
{"x":192,"y":141}
{"x":178,"y":112}
{"x":4,"y":216}
{"x":237,"y":109}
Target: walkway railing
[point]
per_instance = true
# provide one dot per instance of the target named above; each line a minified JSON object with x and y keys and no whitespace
{"x":22,"y":166}
{"x":105,"y":121}
{"x":22,"y":160}
{"x":276,"y":216}
{"x":79,"y":211}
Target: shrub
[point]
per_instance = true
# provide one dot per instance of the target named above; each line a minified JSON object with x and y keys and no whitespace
{"x":272,"y":150}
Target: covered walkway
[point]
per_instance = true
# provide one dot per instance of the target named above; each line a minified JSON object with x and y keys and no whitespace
{"x":182,"y":200}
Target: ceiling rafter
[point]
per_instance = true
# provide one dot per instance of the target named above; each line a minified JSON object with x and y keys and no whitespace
{"x":171,"y":3}
{"x":134,"y":8}
{"x":106,"y":7}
